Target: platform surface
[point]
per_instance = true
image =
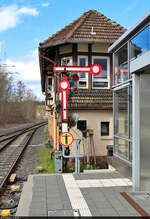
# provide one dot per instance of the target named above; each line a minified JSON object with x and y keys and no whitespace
{"x":94,"y":193}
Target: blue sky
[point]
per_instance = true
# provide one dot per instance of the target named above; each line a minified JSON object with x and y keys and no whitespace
{"x":25,"y":23}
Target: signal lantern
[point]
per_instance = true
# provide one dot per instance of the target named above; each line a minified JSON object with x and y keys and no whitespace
{"x":75,"y":77}
{"x":71,"y":83}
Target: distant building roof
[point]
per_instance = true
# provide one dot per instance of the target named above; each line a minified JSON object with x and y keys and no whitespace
{"x":92,"y":26}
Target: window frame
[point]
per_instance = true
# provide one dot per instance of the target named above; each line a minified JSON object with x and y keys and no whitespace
{"x":52,"y":85}
{"x":86,"y":74}
{"x":108,"y":73}
{"x":105,"y":135}
{"x":127,"y":138}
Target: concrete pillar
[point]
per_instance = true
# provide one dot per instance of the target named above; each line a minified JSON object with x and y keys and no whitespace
{"x":136,"y":133}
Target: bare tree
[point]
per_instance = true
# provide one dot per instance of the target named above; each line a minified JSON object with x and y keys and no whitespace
{"x":17,"y":103}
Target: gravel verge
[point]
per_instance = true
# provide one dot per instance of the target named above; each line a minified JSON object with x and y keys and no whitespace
{"x":26,"y":166}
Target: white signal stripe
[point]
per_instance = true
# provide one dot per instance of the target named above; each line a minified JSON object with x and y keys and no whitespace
{"x":64,"y":105}
{"x":64,"y":99}
{"x":59,"y":68}
{"x":65,"y":115}
{"x":78,"y":69}
{"x":72,"y":69}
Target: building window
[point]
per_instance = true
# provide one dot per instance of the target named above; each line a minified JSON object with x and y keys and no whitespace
{"x":83,"y":77}
{"x":49,"y":85}
{"x":101,"y":81}
{"x":121,"y":65}
{"x":104,"y":128}
{"x":140,"y":43}
{"x":66,"y":61}
{"x":82,"y":125}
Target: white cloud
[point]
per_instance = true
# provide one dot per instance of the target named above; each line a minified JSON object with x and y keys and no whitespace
{"x":28,"y":66}
{"x":29,"y":11}
{"x":46,"y":4}
{"x":10,"y":15}
{"x":1,"y":45}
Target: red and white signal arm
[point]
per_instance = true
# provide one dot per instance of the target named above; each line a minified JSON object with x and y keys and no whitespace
{"x":64,"y":85}
{"x":94,"y":69}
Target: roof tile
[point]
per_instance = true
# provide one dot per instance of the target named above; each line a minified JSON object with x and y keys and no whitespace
{"x":91,"y":99}
{"x":80,"y":29}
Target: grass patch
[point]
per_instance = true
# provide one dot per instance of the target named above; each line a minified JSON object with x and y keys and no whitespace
{"x":44,"y":163}
{"x":45,"y":134}
{"x":71,"y":168}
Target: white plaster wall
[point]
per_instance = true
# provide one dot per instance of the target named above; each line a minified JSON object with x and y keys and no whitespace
{"x":94,"y":118}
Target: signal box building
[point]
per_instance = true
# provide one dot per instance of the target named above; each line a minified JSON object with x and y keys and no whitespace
{"x":131,"y":88}
{"x":83,"y":42}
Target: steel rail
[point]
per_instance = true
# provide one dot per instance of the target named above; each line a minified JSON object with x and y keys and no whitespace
{"x":21,"y":132}
{"x":25,"y":144}
{"x":20,"y":129}
{"x":17,"y":135}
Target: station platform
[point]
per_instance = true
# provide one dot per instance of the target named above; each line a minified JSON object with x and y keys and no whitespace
{"x":93,"y":193}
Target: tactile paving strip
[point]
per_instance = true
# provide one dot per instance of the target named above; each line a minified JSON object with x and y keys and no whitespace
{"x":76,"y":198}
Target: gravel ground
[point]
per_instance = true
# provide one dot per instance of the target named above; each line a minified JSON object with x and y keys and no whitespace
{"x":39,"y":137}
{"x":25,"y":167}
{"x":10,"y":199}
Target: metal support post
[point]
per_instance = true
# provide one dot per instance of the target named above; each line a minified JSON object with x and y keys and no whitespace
{"x":77,"y":154}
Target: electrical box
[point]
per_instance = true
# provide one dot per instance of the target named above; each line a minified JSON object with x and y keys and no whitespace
{"x":81,"y":125}
{"x":58,"y":162}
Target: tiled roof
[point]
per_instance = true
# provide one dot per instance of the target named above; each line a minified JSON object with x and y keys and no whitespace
{"x":91,"y":99}
{"x":80,"y":30}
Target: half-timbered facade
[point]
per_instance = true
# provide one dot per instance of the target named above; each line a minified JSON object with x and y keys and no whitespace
{"x":83,"y":42}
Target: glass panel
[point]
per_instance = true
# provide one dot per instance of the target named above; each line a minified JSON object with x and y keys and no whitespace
{"x":82,"y":62}
{"x":82,"y":75}
{"x":99,"y":84}
{"x":131,"y":151}
{"x":103,"y":63}
{"x":121,"y":147}
{"x":121,"y":112}
{"x":121,"y":65}
{"x":49,"y":85}
{"x":140,"y":43}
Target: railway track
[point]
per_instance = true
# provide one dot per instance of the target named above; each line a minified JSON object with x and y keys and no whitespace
{"x":11,"y":135}
{"x":12,"y":131}
{"x":9,"y":156}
